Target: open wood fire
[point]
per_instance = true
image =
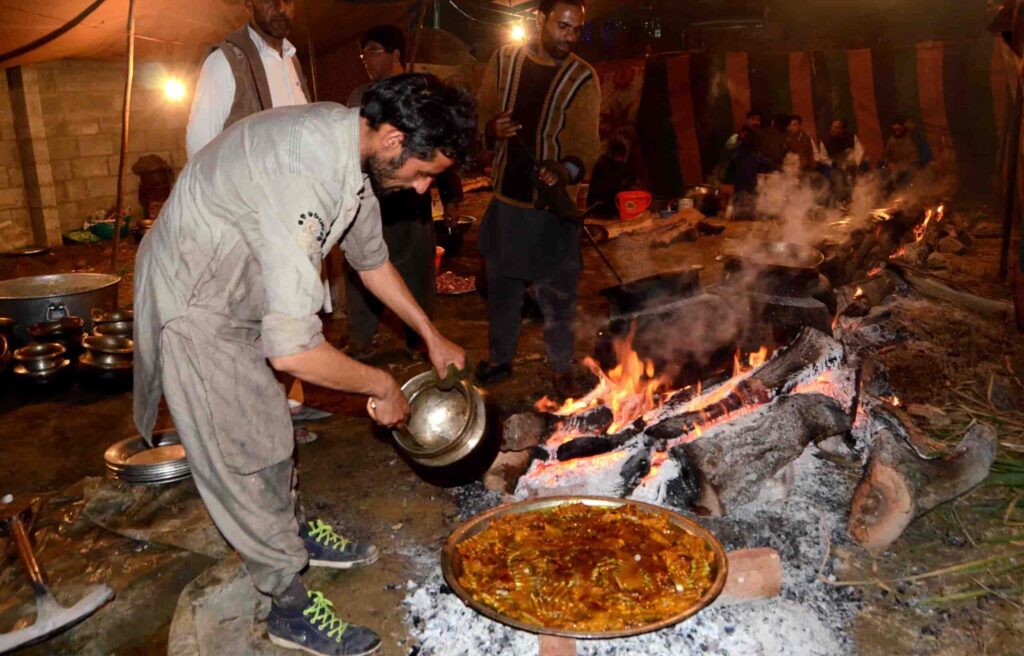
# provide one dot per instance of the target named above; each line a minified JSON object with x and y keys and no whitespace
{"x":716,"y":446}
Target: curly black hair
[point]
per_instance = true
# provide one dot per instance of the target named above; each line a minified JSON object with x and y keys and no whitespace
{"x":545,"y":6}
{"x":432,"y":115}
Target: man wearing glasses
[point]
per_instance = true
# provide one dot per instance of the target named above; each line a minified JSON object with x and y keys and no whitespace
{"x":406,"y":216}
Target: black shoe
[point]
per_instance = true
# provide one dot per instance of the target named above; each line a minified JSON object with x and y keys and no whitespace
{"x":487,"y":373}
{"x":317,"y":630}
{"x":328,"y":549}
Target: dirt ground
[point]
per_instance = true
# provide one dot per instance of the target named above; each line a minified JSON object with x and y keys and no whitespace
{"x":969,"y":367}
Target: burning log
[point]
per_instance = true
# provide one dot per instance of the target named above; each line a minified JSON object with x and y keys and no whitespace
{"x":592,"y":445}
{"x":900,"y":483}
{"x":811,"y":353}
{"x":672,"y":480}
{"x":748,"y":392}
{"x":735,"y":459}
{"x":526,"y":429}
{"x":786,"y":315}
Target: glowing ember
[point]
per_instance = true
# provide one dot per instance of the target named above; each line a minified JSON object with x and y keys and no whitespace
{"x":939,"y":212}
{"x":874,"y":272}
{"x":858,"y":293}
{"x":899,"y":252}
{"x":598,"y":462}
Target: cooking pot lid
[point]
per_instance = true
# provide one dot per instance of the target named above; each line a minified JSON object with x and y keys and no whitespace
{"x":57,"y":284}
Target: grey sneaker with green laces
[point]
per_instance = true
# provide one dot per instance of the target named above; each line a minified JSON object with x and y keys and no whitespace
{"x":317,"y":630}
{"x":329,"y":549}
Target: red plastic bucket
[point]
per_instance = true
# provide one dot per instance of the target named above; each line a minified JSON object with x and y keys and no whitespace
{"x":632,"y":204}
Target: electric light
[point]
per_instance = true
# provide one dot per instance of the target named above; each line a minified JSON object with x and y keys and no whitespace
{"x":174,"y":89}
{"x":518,"y":33}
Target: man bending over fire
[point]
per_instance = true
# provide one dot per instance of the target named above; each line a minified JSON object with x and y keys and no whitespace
{"x":229,"y":279}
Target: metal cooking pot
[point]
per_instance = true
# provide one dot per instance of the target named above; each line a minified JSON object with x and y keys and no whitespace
{"x":40,"y":357}
{"x":114,"y":329}
{"x":444,"y":427}
{"x":108,"y":350}
{"x":110,"y":317}
{"x":33,"y":299}
{"x":652,"y":291}
{"x":5,"y":354}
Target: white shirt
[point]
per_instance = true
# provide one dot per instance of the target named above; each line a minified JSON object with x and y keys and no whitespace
{"x":215,"y":90}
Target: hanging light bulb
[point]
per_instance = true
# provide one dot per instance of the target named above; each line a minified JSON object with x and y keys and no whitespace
{"x":174,"y":89}
{"x":518,"y":33}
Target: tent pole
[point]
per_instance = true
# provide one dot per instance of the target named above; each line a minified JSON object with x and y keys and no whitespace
{"x":125,"y":114}
{"x":1012,"y":160}
{"x":312,"y":52}
{"x":416,"y":39}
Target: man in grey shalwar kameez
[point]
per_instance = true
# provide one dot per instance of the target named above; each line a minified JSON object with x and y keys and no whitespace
{"x":229,"y":278}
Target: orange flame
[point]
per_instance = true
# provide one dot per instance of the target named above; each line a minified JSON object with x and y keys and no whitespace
{"x":939,"y":213}
{"x":629,"y":389}
{"x":922,"y":228}
{"x":858,"y":293}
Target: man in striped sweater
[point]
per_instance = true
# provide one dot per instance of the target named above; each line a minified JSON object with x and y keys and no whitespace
{"x":539,"y":105}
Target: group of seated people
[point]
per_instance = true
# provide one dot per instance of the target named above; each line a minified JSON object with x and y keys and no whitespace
{"x":833,"y":162}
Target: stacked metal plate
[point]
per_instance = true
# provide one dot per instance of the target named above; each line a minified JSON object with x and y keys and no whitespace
{"x":133,"y":461}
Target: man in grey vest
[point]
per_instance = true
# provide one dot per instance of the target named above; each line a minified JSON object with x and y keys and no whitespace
{"x":252,"y":69}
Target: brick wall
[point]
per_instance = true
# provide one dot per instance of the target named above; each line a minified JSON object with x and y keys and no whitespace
{"x":15,"y":225}
{"x":81,"y":102}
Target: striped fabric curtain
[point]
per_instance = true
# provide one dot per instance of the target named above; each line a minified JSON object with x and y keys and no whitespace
{"x":956,"y":92}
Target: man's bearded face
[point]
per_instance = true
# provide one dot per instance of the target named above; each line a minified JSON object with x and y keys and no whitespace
{"x":273,"y":17}
{"x":560,"y":29}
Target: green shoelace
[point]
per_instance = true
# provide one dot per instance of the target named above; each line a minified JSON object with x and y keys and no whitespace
{"x":321,"y":615}
{"x":324,"y":534}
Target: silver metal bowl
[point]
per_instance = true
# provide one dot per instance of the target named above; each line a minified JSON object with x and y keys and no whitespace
{"x":40,"y":356}
{"x":114,"y":329}
{"x":108,"y":350}
{"x":134,"y":461}
{"x":444,"y":426}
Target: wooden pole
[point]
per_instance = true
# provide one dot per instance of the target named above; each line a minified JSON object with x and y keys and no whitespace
{"x":416,"y":38}
{"x":125,"y":115}
{"x":312,"y":52}
{"x":1012,"y":159}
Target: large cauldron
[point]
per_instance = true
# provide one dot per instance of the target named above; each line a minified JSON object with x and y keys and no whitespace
{"x":35,"y":299}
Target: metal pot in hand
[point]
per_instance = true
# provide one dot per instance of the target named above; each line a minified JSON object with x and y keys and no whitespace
{"x":444,"y":426}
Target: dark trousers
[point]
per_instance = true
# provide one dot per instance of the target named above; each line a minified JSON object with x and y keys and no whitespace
{"x":556,"y":296}
{"x":411,"y":249}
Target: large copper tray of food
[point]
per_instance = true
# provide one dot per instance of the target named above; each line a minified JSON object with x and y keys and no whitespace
{"x":584,"y":567}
